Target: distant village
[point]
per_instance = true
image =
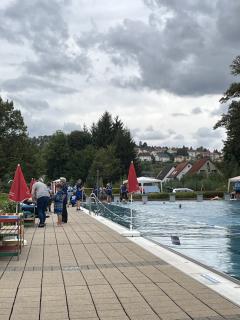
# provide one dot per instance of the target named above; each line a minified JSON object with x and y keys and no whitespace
{"x":177,"y":162}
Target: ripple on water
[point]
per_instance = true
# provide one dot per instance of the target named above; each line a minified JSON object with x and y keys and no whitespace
{"x":209,"y":231}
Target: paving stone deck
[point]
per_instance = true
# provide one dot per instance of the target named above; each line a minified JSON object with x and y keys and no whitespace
{"x":86,"y":271}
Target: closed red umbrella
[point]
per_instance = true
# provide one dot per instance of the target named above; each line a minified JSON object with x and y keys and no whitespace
{"x":31,"y":184}
{"x":19,"y":189}
{"x":133,"y":185}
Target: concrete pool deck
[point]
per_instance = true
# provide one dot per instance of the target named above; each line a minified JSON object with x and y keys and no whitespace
{"x":85,"y":270}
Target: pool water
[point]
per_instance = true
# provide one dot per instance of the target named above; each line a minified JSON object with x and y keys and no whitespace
{"x":209,"y":231}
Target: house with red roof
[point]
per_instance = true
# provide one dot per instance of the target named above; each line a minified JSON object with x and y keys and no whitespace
{"x":204,"y":166}
{"x":165,"y":173}
{"x":180,"y":170}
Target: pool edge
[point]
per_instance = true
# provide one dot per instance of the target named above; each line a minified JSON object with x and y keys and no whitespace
{"x":220,"y":282}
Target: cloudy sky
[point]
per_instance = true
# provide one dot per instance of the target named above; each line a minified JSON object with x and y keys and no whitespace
{"x":160,"y":65}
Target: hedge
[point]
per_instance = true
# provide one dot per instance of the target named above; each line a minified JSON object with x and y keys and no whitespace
{"x":181,"y":195}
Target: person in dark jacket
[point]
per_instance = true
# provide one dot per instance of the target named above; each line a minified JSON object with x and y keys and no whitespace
{"x":108,"y":191}
{"x":79,"y":193}
{"x":58,"y":203}
{"x":65,"y":191}
{"x":123,"y":192}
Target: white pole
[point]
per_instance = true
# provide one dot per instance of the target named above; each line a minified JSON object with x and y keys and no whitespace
{"x":131,"y":215}
{"x":97,"y":182}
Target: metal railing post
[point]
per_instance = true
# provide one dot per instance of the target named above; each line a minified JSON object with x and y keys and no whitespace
{"x":131,"y":227}
{"x":106,"y":209}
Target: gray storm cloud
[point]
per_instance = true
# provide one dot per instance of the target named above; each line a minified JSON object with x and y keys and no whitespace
{"x":41,"y":25}
{"x":74,"y":57}
{"x":178,"y":51}
{"x":24,"y":83}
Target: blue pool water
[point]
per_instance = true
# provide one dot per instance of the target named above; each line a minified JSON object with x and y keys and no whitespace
{"x":209,"y":231}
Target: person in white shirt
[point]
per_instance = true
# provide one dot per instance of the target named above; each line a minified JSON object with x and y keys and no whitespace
{"x":40,"y":194}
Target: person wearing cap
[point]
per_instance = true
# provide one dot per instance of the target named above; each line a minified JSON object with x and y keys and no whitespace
{"x":63,"y":182}
{"x":41,"y":195}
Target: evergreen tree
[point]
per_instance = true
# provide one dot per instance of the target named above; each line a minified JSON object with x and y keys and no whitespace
{"x":78,"y":140}
{"x":102,"y":132}
{"x":231,"y":122}
{"x":182,"y":151}
{"x":124,"y":147}
{"x":80,"y":163}
{"x":15,"y":145}
{"x":106,"y":163}
{"x":57,"y":155}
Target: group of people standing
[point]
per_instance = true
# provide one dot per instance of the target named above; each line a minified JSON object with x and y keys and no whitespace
{"x":62,"y":195}
{"x":103,"y":192}
{"x":43,"y":196}
{"x":76,"y":194}
{"x":107,"y":192}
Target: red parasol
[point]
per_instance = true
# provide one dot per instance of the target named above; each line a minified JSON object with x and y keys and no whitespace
{"x":19,"y":189}
{"x":31,"y":184}
{"x":133,"y":185}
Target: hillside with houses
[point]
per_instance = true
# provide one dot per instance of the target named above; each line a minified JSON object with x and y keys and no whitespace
{"x":174,"y":164}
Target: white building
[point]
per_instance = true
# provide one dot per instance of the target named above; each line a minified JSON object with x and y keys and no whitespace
{"x":145,"y":156}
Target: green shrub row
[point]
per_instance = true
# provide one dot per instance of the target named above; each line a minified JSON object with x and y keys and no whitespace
{"x":181,"y":195}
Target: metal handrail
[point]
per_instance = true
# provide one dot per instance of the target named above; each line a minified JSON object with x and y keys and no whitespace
{"x":98,"y":202}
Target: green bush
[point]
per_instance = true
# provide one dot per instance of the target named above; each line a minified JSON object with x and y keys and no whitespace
{"x":212,"y":194}
{"x":186,"y":195}
{"x":180,"y":195}
{"x":7,"y":206}
{"x":3,"y":197}
{"x":199,"y":182}
{"x":158,"y":196}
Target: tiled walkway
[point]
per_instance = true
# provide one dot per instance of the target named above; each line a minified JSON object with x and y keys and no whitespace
{"x":84,"y":270}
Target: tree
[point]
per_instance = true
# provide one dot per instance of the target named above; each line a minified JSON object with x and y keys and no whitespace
{"x":80,"y":163}
{"x":57,"y":156}
{"x":11,"y":121}
{"x":38,"y":147}
{"x":231,"y":122}
{"x":15,"y":145}
{"x":106,"y":163}
{"x":125,"y":151}
{"x":182,"y":151}
{"x":102,"y":132}
{"x":108,"y":132}
{"x":78,"y":140}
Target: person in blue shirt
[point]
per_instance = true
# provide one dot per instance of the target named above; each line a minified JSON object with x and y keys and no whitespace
{"x":73,"y":199}
{"x":58,"y":203}
{"x":65,"y":199}
{"x":108,"y":191}
{"x":96,"y":190}
{"x":123,"y":192}
{"x":79,"y":195}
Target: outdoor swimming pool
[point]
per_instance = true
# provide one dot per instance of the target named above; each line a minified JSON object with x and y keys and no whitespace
{"x":209,"y":231}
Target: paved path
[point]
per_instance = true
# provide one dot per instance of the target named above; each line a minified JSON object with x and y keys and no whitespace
{"x":84,"y":270}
